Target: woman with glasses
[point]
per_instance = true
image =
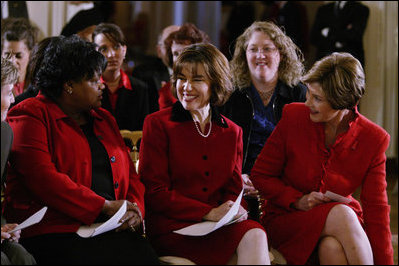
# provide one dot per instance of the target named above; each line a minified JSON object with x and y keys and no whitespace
{"x":266,"y":69}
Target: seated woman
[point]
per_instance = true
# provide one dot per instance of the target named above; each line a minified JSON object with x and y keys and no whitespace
{"x":68,"y":155}
{"x":266,"y":68}
{"x":324,"y":145}
{"x":124,"y":96}
{"x":12,"y":253}
{"x":190,"y":164}
{"x":18,"y":38}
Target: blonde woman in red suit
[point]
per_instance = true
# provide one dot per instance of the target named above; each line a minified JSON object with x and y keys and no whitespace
{"x":190,"y":164}
{"x":324,"y":145}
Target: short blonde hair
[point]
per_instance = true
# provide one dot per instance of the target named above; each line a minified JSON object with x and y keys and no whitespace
{"x":9,"y":72}
{"x":341,"y":77}
{"x":216,"y":67}
{"x":291,"y":66}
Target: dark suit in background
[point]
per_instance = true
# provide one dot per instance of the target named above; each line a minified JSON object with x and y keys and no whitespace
{"x":346,"y":27}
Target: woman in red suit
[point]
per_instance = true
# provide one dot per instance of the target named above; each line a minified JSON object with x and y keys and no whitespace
{"x":327,"y":145}
{"x":68,"y":155}
{"x":190,"y":164}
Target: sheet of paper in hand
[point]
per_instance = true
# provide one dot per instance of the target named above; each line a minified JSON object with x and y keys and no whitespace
{"x":34,"y":219}
{"x":99,"y":228}
{"x":204,"y":228}
{"x":336,"y":197}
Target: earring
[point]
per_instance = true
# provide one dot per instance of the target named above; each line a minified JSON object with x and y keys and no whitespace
{"x":69,"y":91}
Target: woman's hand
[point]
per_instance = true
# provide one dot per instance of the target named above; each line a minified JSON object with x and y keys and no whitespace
{"x":249,"y":189}
{"x":243,"y":212}
{"x":217,"y":213}
{"x":10,"y":236}
{"x":132,"y":219}
{"x":311,"y":200}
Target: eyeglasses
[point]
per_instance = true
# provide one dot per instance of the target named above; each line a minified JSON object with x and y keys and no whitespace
{"x":265,"y":50}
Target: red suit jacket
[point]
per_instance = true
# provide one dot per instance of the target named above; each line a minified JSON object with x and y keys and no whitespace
{"x":51,"y":166}
{"x":295,"y":162}
{"x":185,"y":174}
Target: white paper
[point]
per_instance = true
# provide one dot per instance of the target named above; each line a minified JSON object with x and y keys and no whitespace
{"x":34,"y":219}
{"x":336,"y":197}
{"x":99,"y":228}
{"x":204,"y":228}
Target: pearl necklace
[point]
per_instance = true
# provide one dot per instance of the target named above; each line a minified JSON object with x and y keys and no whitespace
{"x":199,"y":131}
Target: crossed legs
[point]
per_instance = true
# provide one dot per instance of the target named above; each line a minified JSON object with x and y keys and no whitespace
{"x":343,"y":240}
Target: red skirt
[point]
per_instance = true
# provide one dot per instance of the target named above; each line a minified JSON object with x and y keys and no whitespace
{"x":215,"y":248}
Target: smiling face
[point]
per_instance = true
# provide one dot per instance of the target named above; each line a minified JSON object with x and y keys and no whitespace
{"x":19,"y":53}
{"x":193,"y":87}
{"x":263,"y":57}
{"x":320,"y":108}
{"x":113,"y":52}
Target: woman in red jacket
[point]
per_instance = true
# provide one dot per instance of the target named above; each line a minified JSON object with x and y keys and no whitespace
{"x":68,"y":155}
{"x":327,"y":145}
{"x":190,"y":164}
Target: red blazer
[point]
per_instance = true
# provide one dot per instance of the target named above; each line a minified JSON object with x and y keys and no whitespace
{"x":186,"y":175}
{"x":51,"y":166}
{"x":294,"y":162}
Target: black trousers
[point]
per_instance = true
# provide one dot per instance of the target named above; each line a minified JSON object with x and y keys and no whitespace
{"x":111,"y":248}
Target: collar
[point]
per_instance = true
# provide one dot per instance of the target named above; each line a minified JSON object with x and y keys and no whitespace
{"x":179,"y":114}
{"x":124,"y":82}
{"x":57,"y":113}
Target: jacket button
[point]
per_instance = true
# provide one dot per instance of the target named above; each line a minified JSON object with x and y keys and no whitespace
{"x":204,"y":189}
{"x":207,"y":173}
{"x":113,"y":159}
{"x":205,"y":157}
{"x":116,"y":184}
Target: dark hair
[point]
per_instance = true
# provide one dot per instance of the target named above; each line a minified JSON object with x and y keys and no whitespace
{"x":111,"y":31}
{"x":18,"y":29}
{"x":188,"y":33}
{"x":35,"y":60}
{"x":216,"y":67}
{"x":341,"y":77}
{"x":67,"y":59}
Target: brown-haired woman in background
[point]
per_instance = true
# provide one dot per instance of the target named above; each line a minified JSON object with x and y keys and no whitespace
{"x":327,"y":145}
{"x":125,"y":97}
{"x":190,"y":164}
{"x":175,"y":43}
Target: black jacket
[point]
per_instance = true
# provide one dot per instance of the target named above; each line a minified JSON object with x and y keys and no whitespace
{"x":239,"y":108}
{"x":131,"y":106}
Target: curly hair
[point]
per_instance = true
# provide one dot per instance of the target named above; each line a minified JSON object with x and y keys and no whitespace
{"x":9,"y":72}
{"x":291,"y":66}
{"x":216,"y":67}
{"x":341,"y":77}
{"x":187,"y":34}
{"x":67,"y":59}
{"x":19,"y":29}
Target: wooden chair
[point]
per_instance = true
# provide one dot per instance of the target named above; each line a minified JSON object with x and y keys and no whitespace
{"x":132,"y":140}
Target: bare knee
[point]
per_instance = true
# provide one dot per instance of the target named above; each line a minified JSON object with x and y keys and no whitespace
{"x":341,"y":219}
{"x":255,"y":236}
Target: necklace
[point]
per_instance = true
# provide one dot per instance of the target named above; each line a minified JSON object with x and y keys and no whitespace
{"x":265,"y":95}
{"x":199,"y":131}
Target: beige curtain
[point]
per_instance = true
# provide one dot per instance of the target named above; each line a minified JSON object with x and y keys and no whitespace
{"x":380,"y":103}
